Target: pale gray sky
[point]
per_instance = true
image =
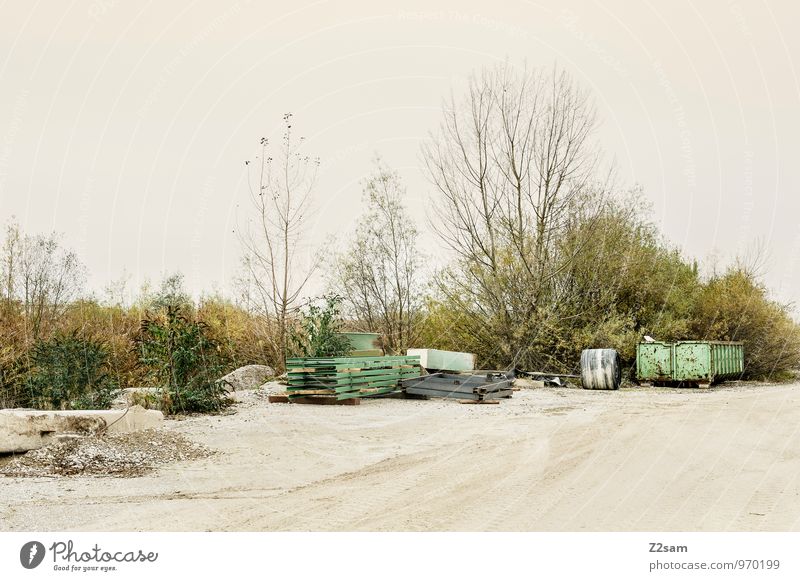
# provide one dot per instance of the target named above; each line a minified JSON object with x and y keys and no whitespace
{"x":125,"y":125}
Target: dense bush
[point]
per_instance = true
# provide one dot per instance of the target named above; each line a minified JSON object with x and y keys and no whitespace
{"x":116,"y":327}
{"x":622,"y":281}
{"x":13,"y":357}
{"x":734,"y":306}
{"x":130,"y":346}
{"x":70,"y":372}
{"x":183,"y":360}
{"x":243,"y":337}
{"x":317,"y":331}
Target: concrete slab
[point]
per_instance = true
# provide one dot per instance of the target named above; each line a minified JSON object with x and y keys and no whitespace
{"x":22,"y":430}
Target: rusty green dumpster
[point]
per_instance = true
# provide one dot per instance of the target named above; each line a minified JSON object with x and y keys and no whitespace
{"x":700,"y":362}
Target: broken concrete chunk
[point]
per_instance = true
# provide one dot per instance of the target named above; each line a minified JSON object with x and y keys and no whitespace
{"x":23,"y":430}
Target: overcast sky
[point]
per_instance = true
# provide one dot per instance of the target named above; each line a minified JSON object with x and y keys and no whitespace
{"x":125,"y":125}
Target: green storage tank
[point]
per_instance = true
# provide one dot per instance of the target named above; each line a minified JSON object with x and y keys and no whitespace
{"x":700,"y":362}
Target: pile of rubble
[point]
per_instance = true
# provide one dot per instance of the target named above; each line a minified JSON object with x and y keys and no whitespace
{"x":125,"y":455}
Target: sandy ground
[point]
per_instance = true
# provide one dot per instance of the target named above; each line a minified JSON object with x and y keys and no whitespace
{"x":547,"y":460}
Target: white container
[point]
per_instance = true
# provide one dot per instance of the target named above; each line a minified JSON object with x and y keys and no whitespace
{"x":444,"y":360}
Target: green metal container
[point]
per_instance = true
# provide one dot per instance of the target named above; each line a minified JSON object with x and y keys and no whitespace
{"x":654,"y":361}
{"x":701,"y":362}
{"x":363,"y":341}
{"x":364,"y":344}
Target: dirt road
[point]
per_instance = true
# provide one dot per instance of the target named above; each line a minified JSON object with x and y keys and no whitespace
{"x":547,"y":460}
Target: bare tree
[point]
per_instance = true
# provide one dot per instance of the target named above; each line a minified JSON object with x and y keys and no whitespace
{"x":378,"y":273}
{"x":11,"y":251}
{"x":510,"y":163}
{"x":40,"y":277}
{"x":276,"y":269}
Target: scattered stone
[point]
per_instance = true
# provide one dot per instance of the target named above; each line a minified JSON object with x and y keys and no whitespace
{"x":120,"y":455}
{"x":247,"y":377}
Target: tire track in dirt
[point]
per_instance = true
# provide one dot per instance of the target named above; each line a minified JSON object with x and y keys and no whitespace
{"x":629,"y":460}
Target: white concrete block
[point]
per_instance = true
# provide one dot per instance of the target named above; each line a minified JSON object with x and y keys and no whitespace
{"x":23,"y":430}
{"x":444,"y":360}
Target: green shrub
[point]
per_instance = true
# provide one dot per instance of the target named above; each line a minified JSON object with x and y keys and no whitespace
{"x":182,"y":359}
{"x":319,"y":326}
{"x":70,"y":372}
{"x":736,"y":307}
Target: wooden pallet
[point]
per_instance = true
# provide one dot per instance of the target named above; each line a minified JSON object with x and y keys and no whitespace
{"x":324,"y":400}
{"x":311,"y":399}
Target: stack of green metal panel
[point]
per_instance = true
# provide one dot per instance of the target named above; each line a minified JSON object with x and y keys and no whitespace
{"x":348,"y":377}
